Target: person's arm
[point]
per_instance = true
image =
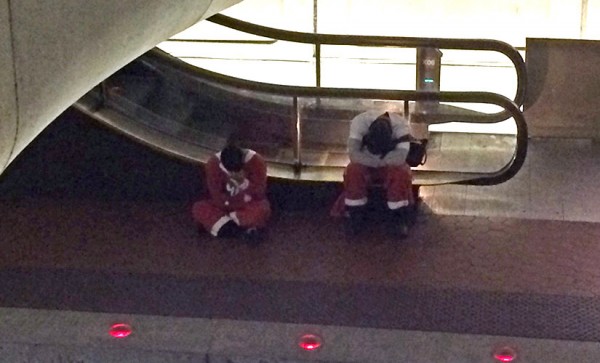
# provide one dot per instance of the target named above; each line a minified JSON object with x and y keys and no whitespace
{"x":400,"y":128}
{"x":256,"y":174}
{"x":398,"y":155}
{"x":215,"y":183}
{"x":362,"y":157}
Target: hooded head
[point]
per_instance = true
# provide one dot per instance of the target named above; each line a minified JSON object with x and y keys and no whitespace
{"x":379,"y":137}
{"x":232,"y":158}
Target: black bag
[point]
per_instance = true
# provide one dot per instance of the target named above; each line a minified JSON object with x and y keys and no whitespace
{"x":417,"y":153}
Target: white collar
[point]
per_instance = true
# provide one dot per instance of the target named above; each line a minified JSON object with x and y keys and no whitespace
{"x":248,"y":154}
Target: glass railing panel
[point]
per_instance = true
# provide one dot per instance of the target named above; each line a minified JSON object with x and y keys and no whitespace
{"x":466,"y":152}
{"x":277,"y":62}
{"x":302,"y":131}
{"x":325,"y":126}
{"x":384,"y":44}
{"x":485,"y":71}
{"x":395,"y":68}
{"x":367,"y":67}
{"x":471,"y":118}
{"x":201,"y":112}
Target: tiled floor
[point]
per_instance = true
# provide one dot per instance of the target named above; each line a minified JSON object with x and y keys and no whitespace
{"x":96,"y":209}
{"x":93,"y":222}
{"x":556,"y":183}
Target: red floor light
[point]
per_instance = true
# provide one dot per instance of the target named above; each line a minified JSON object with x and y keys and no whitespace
{"x":310,"y":342}
{"x":505,"y":354}
{"x":120,"y":330}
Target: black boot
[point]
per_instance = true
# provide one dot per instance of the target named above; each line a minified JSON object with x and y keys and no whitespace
{"x":356,"y":220}
{"x":254,"y":236}
{"x":229,"y":230}
{"x":398,"y":222}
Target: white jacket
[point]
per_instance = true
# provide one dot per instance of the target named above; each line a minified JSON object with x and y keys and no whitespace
{"x":359,"y":126}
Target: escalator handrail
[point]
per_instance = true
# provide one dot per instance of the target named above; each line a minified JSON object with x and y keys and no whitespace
{"x":158,"y":59}
{"x":386,"y":41}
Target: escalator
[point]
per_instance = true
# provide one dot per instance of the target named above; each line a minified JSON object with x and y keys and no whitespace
{"x":190,"y":113}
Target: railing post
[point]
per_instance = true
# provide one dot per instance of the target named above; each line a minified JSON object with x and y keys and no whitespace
{"x":318,"y":64}
{"x":298,"y":140}
{"x":317,"y":45}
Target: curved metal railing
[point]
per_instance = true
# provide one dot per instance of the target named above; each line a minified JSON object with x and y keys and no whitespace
{"x":191,"y":77}
{"x":303,"y":172}
{"x":383,"y":41}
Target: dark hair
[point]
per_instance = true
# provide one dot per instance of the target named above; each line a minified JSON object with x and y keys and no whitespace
{"x":232,"y":158}
{"x":378,"y":139}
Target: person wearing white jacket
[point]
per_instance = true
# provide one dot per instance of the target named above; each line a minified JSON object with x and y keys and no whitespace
{"x":376,"y":156}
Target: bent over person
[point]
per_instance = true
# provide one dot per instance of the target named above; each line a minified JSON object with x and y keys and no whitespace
{"x":377,"y":156}
{"x":237,"y":205}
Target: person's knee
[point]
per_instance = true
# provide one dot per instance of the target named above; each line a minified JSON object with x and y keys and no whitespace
{"x":399,"y":172}
{"x":354,"y":170}
{"x":199,"y":209}
{"x":356,"y":179}
{"x":262,"y":210}
{"x":256,"y":214}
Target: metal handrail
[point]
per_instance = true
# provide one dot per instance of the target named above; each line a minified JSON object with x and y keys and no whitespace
{"x":385,"y":41}
{"x":184,"y":73}
{"x":157,"y":57}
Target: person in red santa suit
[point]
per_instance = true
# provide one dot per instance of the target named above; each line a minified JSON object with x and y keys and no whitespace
{"x":236,"y":180}
{"x":377,"y":156}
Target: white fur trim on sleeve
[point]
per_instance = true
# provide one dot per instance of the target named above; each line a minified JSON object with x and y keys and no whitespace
{"x":245,"y":184}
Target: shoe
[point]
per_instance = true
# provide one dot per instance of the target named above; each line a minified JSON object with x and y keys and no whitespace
{"x":412,"y":212}
{"x":253,"y":236}
{"x":398,"y":222}
{"x":400,"y":230}
{"x":229,"y":230}
{"x":355,"y":221}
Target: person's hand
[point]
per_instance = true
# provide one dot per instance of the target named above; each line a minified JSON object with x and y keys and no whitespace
{"x":232,"y":187}
{"x":238,"y":176}
{"x":235,"y":185}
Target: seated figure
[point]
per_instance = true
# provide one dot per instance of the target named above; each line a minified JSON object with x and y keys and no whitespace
{"x":236,"y":180}
{"x":377,"y":156}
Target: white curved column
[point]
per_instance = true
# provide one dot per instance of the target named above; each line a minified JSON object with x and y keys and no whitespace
{"x":53,"y":52}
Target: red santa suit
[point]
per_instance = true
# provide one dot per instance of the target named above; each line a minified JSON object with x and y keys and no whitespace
{"x":246,"y":204}
{"x":366,"y":168}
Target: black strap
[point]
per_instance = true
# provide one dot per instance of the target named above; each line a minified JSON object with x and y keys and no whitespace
{"x":405,"y":138}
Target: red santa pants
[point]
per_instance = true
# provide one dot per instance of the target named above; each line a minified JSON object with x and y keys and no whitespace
{"x":253,"y":214}
{"x":396,"y":180}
